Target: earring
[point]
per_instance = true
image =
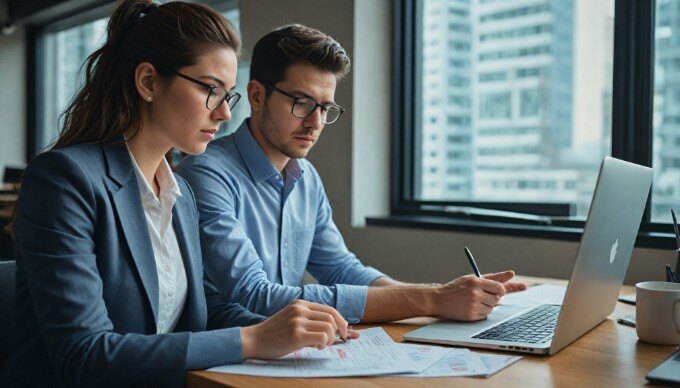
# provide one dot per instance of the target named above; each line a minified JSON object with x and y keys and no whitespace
{"x":148,"y":98}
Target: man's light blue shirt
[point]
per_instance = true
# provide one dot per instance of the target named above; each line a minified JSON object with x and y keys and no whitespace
{"x":260,"y":232}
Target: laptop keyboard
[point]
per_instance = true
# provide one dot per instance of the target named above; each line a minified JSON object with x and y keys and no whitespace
{"x":535,"y":326}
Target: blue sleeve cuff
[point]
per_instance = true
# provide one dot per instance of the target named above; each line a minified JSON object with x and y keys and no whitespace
{"x":213,"y":348}
{"x":351,"y":302}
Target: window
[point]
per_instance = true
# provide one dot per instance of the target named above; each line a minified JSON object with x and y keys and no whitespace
{"x":62,"y":46}
{"x":458,"y":81}
{"x":666,"y":144}
{"x":492,"y":77}
{"x":514,"y":13}
{"x":530,"y":102}
{"x":554,"y":87}
{"x":538,"y":106}
{"x":516,"y":32}
{"x":494,"y":106}
{"x":459,"y":101}
{"x":65,"y":51}
{"x":514,"y":128}
{"x":458,"y":139}
{"x":514,"y":53}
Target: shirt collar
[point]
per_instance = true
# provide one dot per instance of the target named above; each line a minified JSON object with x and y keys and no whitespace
{"x":294,"y":170}
{"x":257,"y":162}
{"x":166,"y":181}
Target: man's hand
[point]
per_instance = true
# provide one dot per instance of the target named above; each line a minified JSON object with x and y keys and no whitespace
{"x":298,"y":325}
{"x":514,"y":287}
{"x":470,"y":298}
{"x":503,"y":278}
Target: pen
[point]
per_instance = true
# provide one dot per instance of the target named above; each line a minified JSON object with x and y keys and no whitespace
{"x":344,"y":340}
{"x":677,"y":239}
{"x":675,"y":228}
{"x":670,"y":275}
{"x":349,"y":334}
{"x":472,"y":262}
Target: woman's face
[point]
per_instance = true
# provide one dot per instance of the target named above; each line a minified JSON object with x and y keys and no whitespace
{"x":178,"y":111}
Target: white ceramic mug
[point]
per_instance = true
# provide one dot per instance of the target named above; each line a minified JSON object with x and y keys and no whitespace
{"x":657,"y":312}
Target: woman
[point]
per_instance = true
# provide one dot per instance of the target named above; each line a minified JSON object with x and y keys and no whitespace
{"x":110,"y":288}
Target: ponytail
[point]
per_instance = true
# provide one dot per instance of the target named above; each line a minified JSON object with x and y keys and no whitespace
{"x":169,"y":36}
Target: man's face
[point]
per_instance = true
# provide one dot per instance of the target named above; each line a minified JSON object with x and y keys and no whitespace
{"x":286,"y":135}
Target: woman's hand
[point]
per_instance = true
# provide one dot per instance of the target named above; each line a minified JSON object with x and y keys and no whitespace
{"x":298,"y":325}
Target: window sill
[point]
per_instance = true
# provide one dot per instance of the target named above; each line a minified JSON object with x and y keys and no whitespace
{"x":567,"y":233}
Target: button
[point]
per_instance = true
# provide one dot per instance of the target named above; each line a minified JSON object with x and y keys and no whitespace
{"x":169,"y":293}
{"x":285,"y":263}
{"x":277,"y":177}
{"x":167,"y":268}
{"x":285,"y":243}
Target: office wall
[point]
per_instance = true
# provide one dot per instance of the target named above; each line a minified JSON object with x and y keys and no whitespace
{"x":12,"y":95}
{"x":351,"y":156}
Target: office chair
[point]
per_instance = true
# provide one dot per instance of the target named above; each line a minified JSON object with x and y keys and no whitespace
{"x":13,"y":174}
{"x":8,"y":271}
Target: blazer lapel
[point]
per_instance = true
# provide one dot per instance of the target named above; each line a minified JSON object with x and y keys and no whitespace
{"x":191,"y":254}
{"x":128,"y":204}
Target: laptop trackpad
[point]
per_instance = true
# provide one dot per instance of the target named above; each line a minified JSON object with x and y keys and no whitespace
{"x":456,"y":331}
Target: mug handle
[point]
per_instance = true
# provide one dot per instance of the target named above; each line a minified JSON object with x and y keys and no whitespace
{"x":676,"y":315}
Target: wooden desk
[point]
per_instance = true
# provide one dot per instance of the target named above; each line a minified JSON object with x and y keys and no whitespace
{"x":609,"y":355}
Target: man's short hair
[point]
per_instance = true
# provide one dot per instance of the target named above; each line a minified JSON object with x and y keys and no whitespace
{"x":293,"y":44}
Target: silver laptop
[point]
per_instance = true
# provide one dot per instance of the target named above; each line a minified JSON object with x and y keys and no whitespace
{"x":601,"y":263}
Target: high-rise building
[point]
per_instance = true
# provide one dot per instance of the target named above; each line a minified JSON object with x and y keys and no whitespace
{"x":667,"y":110}
{"x":501,"y":127}
{"x":522,"y":100}
{"x":446,"y":158}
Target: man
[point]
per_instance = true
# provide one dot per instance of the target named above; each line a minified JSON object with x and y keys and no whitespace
{"x":264,"y":215}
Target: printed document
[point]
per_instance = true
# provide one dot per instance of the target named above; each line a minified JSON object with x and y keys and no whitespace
{"x":497,"y":362}
{"x":424,"y":356}
{"x":541,"y":294}
{"x":373,"y":353}
{"x":455,"y":362}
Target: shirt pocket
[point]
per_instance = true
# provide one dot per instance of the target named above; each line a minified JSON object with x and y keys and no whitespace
{"x":303,"y":246}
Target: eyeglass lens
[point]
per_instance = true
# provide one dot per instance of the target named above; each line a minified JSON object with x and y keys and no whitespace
{"x":304,"y":106}
{"x":218,"y":95}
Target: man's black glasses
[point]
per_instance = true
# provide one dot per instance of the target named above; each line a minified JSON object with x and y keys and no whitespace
{"x":305,"y":106}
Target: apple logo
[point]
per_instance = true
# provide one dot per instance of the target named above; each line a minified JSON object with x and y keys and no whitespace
{"x":612,"y":254}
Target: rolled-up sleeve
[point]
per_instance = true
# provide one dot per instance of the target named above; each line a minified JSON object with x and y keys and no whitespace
{"x":330,"y":262}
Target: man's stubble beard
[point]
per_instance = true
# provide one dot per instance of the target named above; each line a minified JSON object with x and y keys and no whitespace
{"x":270,"y":133}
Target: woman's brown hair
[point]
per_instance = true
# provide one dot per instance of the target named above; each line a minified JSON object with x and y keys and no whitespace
{"x":169,"y":36}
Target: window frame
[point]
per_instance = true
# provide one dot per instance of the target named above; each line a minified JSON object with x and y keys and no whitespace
{"x":632,"y":133}
{"x":36,"y":32}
